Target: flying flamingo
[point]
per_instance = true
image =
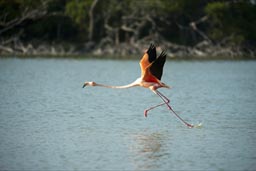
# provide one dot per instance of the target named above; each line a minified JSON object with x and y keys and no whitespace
{"x":151,"y":73}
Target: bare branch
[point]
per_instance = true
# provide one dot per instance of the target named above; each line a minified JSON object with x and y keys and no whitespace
{"x":91,"y":22}
{"x":193,"y":25}
{"x":6,"y":49}
{"x":128,"y":29}
{"x":26,"y":15}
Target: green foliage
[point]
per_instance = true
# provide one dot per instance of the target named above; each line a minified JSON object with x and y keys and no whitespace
{"x":24,"y":4}
{"x":68,"y":20}
{"x":78,"y":11}
{"x":56,"y":6}
{"x":234,"y":20}
{"x":52,"y":28}
{"x":14,"y":8}
{"x":9,"y":9}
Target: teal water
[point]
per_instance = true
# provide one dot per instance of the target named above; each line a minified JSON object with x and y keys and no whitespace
{"x":48,"y":122}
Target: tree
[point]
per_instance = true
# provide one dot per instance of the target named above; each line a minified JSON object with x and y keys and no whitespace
{"x":234,"y":22}
{"x":14,"y":13}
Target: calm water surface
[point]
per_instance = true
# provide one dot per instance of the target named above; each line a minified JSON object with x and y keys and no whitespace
{"x":48,"y":122}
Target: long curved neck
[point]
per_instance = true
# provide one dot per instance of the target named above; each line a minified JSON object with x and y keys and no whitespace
{"x":117,"y":87}
{"x":133,"y":84}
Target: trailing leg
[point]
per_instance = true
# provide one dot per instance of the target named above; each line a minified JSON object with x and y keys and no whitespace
{"x":170,"y":108}
{"x":153,"y":107}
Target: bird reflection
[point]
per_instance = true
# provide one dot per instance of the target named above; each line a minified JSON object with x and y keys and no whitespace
{"x":149,"y":150}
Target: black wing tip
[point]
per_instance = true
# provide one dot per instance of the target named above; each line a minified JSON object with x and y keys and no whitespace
{"x":163,"y":54}
{"x":151,"y":47}
{"x":151,"y":52}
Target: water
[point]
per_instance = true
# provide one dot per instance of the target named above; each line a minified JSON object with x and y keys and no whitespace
{"x":48,"y":122}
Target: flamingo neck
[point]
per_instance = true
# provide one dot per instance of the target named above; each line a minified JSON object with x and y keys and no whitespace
{"x":116,"y":87}
{"x":133,"y":84}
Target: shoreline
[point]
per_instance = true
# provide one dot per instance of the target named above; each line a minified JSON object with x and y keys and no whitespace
{"x":116,"y":57}
{"x":202,"y":51}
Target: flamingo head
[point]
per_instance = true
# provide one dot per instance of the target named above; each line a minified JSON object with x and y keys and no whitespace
{"x":89,"y":84}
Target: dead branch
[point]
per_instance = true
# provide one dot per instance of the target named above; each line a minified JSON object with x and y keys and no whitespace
{"x":91,"y":19}
{"x":6,"y":49}
{"x":194,"y":27}
{"x":26,"y":15}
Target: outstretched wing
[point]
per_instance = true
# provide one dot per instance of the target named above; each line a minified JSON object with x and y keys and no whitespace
{"x":157,"y":66}
{"x":148,"y":58}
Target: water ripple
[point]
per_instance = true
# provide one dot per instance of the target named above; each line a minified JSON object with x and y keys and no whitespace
{"x":49,"y":122}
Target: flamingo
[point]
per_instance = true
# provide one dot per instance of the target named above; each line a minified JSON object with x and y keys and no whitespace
{"x":151,"y":73}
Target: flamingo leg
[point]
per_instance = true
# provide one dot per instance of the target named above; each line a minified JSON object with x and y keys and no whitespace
{"x":153,"y":107}
{"x":170,"y":108}
{"x":168,"y":101}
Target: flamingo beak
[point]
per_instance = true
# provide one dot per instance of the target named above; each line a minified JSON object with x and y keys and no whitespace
{"x":85,"y":84}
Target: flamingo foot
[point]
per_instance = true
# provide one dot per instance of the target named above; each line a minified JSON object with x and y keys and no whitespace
{"x":145,"y":113}
{"x":190,"y":125}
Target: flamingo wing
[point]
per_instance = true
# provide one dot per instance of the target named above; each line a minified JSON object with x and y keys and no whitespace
{"x":147,"y":59}
{"x":157,"y":66}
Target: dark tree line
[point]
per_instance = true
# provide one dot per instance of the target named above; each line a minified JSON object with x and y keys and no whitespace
{"x":186,"y":27}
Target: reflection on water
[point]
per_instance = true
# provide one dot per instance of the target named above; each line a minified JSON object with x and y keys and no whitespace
{"x":149,"y":149}
{"x":48,"y":122}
